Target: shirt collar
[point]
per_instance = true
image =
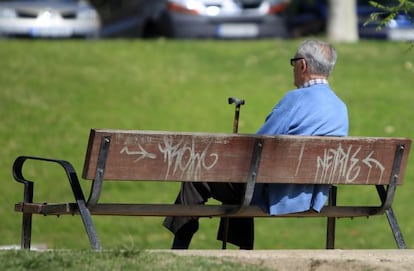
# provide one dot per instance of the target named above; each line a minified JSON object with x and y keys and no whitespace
{"x":313,"y":82}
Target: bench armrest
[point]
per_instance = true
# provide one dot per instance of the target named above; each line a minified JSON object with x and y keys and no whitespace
{"x":76,"y":189}
{"x":28,"y":185}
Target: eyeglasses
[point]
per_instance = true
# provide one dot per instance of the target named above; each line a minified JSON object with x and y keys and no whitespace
{"x":293,"y":60}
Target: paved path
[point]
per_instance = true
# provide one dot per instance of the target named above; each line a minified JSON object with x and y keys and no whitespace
{"x":316,"y":260}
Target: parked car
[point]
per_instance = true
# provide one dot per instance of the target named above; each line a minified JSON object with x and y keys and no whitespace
{"x":401,"y":27}
{"x":48,"y":18}
{"x":129,"y":18}
{"x":224,"y":19}
{"x":308,"y":17}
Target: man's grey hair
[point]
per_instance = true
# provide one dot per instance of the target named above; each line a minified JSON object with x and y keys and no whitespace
{"x":320,"y":56}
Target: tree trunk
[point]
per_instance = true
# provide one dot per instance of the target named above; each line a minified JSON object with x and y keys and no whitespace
{"x":342,"y":21}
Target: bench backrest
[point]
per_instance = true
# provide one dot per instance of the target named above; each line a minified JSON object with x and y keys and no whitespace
{"x":178,"y":156}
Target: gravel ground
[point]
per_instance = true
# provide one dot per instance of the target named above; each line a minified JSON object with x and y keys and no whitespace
{"x":316,"y":260}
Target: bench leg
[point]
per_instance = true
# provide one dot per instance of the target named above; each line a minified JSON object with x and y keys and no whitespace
{"x":26,"y":231}
{"x":392,"y":220}
{"x":399,"y":239}
{"x":225,"y":234}
{"x":89,"y":227}
{"x":330,"y":236}
{"x":26,"y":235}
{"x":331,"y":223}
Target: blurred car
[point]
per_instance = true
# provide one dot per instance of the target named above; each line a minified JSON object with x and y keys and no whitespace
{"x":224,"y":19}
{"x":129,"y":18}
{"x":401,"y":27}
{"x":308,"y":17}
{"x":48,"y":19}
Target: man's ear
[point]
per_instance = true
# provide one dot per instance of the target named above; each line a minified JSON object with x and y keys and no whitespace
{"x":303,"y":65}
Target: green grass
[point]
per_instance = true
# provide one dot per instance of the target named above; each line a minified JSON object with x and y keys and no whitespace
{"x":115,"y":260}
{"x":53,"y":92}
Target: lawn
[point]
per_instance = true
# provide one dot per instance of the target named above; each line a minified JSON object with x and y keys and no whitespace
{"x":115,"y":260}
{"x":53,"y":92}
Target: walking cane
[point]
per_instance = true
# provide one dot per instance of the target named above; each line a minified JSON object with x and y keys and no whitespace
{"x":238,"y":103}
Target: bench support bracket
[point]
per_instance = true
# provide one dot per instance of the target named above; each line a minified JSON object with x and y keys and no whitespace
{"x":387,"y":197}
{"x":99,"y":174}
{"x":250,"y":184}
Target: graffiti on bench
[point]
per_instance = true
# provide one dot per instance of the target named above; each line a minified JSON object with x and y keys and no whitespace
{"x":180,"y":157}
{"x":189,"y":159}
{"x":345,"y":163}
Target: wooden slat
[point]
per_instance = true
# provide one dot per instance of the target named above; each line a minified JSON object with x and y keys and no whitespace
{"x":188,"y":210}
{"x":47,"y":209}
{"x":150,"y":155}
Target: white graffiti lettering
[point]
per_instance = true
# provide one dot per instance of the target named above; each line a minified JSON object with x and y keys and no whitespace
{"x":369,"y":161}
{"x":183,"y":157}
{"x":337,"y":164}
{"x":180,"y":157}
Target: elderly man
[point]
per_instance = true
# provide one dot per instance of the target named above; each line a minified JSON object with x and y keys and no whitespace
{"x":311,"y":109}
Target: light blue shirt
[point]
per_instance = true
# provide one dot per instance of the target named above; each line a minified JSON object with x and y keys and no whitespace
{"x":312,"y":110}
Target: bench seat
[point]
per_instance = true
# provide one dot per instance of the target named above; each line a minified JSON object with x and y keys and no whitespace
{"x":124,"y":209}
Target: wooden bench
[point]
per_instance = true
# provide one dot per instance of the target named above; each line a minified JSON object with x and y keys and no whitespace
{"x":120,"y":155}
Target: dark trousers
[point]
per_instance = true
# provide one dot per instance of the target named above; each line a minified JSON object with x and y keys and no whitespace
{"x":240,"y":230}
